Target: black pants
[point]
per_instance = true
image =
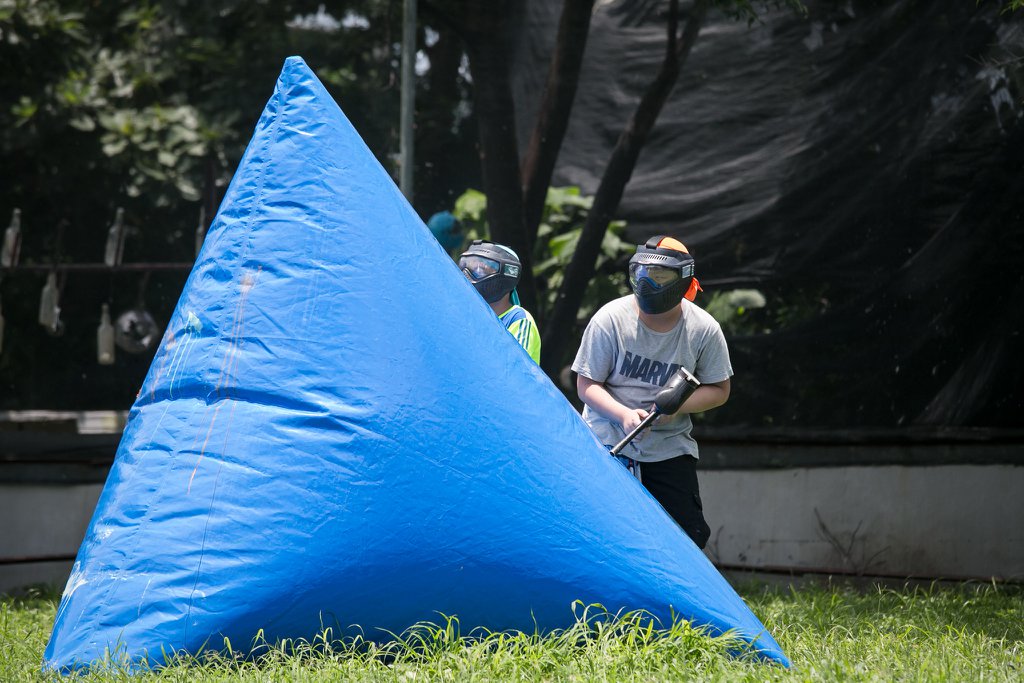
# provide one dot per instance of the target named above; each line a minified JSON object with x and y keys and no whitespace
{"x":673,"y":483}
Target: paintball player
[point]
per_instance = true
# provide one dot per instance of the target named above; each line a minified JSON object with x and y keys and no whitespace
{"x":630,"y":349}
{"x":494,"y":270}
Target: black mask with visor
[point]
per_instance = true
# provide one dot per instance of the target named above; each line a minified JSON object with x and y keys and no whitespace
{"x":492,"y":268}
{"x":661,"y":276}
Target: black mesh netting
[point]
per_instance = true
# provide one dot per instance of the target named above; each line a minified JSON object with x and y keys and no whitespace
{"x":861,"y":167}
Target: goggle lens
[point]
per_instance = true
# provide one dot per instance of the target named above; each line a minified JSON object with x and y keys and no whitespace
{"x":659,"y":276}
{"x":478,"y":267}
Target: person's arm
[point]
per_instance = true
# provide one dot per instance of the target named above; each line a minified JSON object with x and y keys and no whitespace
{"x":712,"y":361}
{"x":706,"y":397}
{"x":595,"y":395}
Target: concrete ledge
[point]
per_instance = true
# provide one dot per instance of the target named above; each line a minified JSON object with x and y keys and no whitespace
{"x":43,"y":527}
{"x":947,"y":521}
{"x":720,"y":454}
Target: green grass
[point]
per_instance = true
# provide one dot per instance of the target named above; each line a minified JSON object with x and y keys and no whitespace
{"x":839,"y":633}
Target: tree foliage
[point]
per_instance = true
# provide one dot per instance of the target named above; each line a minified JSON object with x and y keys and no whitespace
{"x":147,"y":106}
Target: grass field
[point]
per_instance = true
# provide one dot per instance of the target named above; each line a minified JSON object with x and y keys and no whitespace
{"x":831,"y":633}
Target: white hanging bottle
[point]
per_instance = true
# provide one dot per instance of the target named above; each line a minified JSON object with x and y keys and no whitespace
{"x":105,"y":338}
{"x":115,"y":240}
{"x":49,"y":312}
{"x":12,"y":241}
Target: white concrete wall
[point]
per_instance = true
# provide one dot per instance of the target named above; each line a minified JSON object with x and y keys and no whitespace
{"x":42,"y":520}
{"x":942,"y":521}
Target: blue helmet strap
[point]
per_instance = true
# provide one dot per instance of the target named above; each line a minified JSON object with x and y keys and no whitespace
{"x":515,"y":298}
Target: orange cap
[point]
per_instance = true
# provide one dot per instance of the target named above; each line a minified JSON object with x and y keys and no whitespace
{"x":674,"y":244}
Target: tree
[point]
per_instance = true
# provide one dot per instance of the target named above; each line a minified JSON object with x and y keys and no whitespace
{"x":613,"y":182}
{"x":514,"y":210}
{"x":481,"y":27}
{"x":147,"y":105}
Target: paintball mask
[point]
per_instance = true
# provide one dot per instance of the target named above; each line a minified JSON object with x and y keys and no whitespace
{"x":492,"y":268}
{"x":661,"y":274}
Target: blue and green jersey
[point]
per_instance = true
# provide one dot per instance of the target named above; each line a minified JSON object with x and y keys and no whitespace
{"x":520,"y":324}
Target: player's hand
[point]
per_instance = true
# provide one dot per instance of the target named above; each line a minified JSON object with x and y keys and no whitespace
{"x":632,"y":418}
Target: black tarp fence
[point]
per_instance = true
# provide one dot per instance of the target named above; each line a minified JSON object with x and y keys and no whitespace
{"x":863,"y":167}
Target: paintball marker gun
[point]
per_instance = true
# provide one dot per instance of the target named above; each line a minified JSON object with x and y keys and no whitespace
{"x":677,"y":389}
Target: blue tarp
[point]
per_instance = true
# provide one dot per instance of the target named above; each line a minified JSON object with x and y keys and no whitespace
{"x":336,"y":430}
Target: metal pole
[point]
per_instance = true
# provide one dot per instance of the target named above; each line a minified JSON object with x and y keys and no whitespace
{"x":408,"y":97}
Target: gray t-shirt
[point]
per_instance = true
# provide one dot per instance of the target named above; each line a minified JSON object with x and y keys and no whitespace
{"x":634,"y":362}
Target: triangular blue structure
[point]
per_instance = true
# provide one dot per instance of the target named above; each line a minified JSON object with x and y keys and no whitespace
{"x":336,"y":430}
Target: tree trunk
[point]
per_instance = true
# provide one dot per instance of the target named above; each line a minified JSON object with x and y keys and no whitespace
{"x":499,"y":153}
{"x":438,"y":148}
{"x":553,"y":117}
{"x":558,"y":329}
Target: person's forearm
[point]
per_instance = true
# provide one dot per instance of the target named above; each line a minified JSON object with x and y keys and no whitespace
{"x":598,"y":398}
{"x":706,"y":397}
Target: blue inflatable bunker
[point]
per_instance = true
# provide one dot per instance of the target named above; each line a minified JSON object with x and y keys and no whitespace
{"x":337,"y":431}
